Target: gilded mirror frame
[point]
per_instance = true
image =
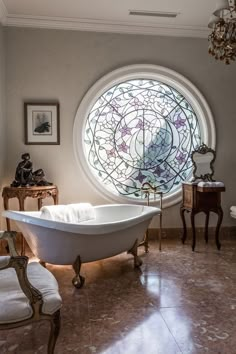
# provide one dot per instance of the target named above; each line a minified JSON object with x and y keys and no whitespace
{"x":203,"y":149}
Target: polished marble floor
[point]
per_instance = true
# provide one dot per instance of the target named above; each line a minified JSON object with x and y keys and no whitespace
{"x":178,"y":302}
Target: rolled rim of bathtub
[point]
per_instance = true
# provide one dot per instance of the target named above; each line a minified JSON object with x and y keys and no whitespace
{"x":33,"y":218}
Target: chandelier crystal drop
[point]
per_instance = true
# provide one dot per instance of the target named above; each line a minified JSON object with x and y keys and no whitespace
{"x":222,"y":40}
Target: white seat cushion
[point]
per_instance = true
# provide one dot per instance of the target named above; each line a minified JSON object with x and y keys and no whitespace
{"x":211,"y":184}
{"x":14,"y":305}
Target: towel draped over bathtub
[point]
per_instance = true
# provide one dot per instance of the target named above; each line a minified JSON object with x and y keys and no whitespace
{"x":73,"y":213}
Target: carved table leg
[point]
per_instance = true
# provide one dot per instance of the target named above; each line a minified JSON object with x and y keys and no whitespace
{"x":40,"y":203}
{"x":22,"y":208}
{"x":193,"y":229}
{"x":55,"y":198}
{"x":206,"y":226}
{"x":134,"y":251}
{"x":6,"y":207}
{"x":184,"y":236}
{"x":78,"y":280}
{"x":220,"y":218}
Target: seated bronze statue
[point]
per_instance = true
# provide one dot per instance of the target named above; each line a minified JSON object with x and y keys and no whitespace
{"x":25,"y":177}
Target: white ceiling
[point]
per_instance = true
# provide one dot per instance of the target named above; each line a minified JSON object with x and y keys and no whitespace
{"x":110,"y":15}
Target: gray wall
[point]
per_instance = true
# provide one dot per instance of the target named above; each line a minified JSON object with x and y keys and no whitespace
{"x":2,"y":107}
{"x":2,"y":104}
{"x":62,"y":65}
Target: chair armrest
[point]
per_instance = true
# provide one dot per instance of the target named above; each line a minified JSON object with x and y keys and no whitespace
{"x":9,"y":236}
{"x":19,"y":263}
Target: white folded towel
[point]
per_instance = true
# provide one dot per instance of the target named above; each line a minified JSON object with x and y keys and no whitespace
{"x":82,"y":211}
{"x":56,"y":213}
{"x":73,"y":213}
{"x":211,"y":184}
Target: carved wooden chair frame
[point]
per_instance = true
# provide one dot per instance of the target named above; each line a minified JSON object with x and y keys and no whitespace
{"x":203,"y":149}
{"x":19,"y":263}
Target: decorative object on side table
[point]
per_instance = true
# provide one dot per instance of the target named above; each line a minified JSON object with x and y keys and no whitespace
{"x":25,"y":176}
{"x":42,"y":126}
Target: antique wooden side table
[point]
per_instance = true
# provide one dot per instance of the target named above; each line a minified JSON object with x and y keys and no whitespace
{"x":21,"y":193}
{"x":198,"y":199}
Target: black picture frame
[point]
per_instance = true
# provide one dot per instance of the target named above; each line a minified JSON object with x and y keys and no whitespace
{"x":42,"y":123}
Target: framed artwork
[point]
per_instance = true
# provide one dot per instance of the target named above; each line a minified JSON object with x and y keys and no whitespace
{"x":42,"y":123}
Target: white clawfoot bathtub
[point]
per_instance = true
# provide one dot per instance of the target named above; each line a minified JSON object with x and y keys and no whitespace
{"x":117,"y":228}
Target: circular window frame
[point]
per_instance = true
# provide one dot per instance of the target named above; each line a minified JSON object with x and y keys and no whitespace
{"x":137,"y":71}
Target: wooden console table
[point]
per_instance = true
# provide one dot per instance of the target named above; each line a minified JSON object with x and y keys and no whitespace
{"x":21,"y":193}
{"x":198,"y":199}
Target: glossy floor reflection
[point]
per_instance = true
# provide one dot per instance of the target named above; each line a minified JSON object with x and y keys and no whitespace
{"x":178,"y":302}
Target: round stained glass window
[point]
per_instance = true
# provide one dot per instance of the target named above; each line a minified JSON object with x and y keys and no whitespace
{"x":141,"y":129}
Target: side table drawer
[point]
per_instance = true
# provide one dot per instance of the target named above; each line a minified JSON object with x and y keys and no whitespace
{"x":189,"y":195}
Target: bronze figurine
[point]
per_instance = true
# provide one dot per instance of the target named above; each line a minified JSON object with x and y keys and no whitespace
{"x":25,"y":177}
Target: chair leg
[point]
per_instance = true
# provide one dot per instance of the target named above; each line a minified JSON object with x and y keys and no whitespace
{"x":55,"y":329}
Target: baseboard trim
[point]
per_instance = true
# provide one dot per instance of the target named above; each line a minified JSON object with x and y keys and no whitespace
{"x":225,"y":231}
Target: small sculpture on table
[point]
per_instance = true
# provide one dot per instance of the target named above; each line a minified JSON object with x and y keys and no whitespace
{"x":39,"y":178}
{"x":25,"y":177}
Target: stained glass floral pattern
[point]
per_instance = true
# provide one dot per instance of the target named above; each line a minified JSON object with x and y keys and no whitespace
{"x":141,"y":131}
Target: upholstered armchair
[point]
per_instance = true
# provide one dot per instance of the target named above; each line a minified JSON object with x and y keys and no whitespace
{"x":28,"y":293}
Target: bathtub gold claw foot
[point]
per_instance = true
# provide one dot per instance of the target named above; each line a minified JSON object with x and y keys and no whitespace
{"x":137,"y":261}
{"x":78,"y":280}
{"x":134,"y":251}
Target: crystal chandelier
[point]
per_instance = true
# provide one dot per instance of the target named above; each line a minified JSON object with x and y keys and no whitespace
{"x":222,"y":40}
